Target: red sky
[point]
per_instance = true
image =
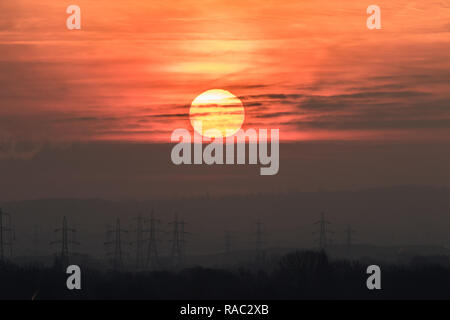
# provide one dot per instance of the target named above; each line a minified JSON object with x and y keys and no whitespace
{"x":310,"y":68}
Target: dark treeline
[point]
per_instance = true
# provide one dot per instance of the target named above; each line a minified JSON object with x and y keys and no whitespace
{"x":297,"y":275}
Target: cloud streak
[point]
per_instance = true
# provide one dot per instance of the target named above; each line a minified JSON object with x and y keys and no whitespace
{"x":311,"y":70}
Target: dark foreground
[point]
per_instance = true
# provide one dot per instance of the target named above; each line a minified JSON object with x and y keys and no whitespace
{"x":299,"y":275}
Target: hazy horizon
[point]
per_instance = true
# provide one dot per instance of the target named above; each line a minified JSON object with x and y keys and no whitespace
{"x":123,"y":170}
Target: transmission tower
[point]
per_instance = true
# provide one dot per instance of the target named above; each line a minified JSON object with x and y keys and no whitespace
{"x":324,"y":231}
{"x":36,"y":240}
{"x":260,"y":253}
{"x":228,"y":243}
{"x":152,"y":260}
{"x":178,"y":241}
{"x":349,"y":236}
{"x":114,"y":237}
{"x":65,"y":230}
{"x":12,"y":238}
{"x":139,"y":242}
{"x":6,"y":235}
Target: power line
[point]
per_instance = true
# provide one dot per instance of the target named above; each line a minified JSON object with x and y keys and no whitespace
{"x":260,"y":252}
{"x":6,"y":235}
{"x":178,"y":241}
{"x":324,"y":231}
{"x":228,"y":243}
{"x":152,"y":260}
{"x":36,"y":239}
{"x":64,"y":254}
{"x":349,"y":239}
{"x":139,"y":242}
{"x":114,"y":237}
{"x":12,"y":237}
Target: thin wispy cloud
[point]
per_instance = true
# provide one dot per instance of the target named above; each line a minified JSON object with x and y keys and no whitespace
{"x":310,"y":69}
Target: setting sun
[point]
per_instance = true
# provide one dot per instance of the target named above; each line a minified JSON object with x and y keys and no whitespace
{"x":216,"y":113}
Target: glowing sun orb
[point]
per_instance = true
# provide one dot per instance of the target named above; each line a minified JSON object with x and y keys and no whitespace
{"x":216,"y":113}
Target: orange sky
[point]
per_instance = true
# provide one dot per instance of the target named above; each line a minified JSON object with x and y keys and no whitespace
{"x":310,"y":68}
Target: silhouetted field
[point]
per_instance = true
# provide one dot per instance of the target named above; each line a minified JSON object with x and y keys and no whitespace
{"x":298,"y":275}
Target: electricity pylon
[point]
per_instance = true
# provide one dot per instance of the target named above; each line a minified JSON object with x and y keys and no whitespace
{"x":349,"y":236}
{"x":65,"y":230}
{"x":324,"y":231}
{"x":228,"y":247}
{"x":6,"y":235}
{"x":152,"y":260}
{"x":114,"y":237}
{"x":139,"y":242}
{"x":349,"y":240}
{"x":12,"y":237}
{"x":260,"y":252}
{"x":36,"y":240}
{"x":178,"y":241}
{"x":228,"y":243}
